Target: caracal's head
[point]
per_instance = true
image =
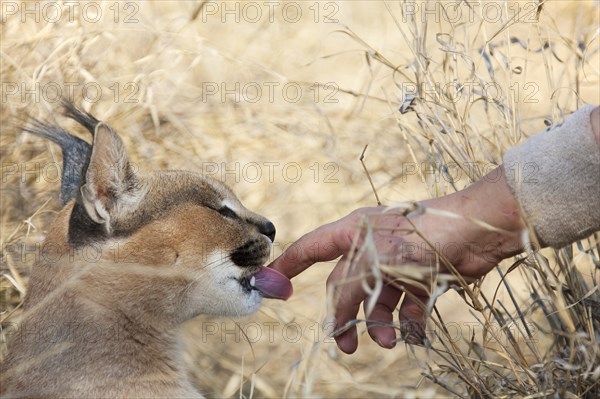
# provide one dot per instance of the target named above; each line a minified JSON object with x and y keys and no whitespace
{"x":184,"y":230}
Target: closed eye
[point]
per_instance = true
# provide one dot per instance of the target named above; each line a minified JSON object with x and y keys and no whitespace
{"x":228,"y":213}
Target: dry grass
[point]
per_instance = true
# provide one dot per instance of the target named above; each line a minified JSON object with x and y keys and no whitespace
{"x":544,"y":66}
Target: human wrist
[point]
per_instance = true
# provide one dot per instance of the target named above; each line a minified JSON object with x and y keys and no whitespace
{"x":490,"y":222}
{"x":496,"y":220}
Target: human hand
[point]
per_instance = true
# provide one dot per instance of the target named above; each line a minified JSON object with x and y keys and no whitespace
{"x":470,"y":248}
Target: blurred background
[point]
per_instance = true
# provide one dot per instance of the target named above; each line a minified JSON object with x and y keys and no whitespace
{"x":279,"y":99}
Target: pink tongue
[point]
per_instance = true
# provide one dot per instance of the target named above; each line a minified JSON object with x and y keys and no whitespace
{"x":273,"y":284}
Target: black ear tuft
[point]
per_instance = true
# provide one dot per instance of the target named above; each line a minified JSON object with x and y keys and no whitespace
{"x":76,"y":154}
{"x":80,"y":116}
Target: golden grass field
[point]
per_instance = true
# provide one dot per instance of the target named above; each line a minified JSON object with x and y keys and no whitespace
{"x":279,"y":100}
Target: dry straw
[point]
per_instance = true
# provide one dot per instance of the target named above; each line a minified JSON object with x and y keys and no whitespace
{"x":530,"y":329}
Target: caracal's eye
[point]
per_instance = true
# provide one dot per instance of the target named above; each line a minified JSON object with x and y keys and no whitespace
{"x":228,"y":212}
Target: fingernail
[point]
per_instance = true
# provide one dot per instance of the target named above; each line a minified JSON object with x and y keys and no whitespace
{"x":385,"y":343}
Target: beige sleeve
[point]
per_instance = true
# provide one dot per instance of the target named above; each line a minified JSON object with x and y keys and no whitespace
{"x":555,"y":176}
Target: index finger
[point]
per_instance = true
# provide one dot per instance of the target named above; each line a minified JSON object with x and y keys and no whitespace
{"x":323,"y":244}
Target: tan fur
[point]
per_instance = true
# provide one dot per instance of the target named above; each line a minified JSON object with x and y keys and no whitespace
{"x":102,"y":312}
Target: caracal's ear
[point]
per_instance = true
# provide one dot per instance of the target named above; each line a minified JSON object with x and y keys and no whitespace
{"x":108,"y":179}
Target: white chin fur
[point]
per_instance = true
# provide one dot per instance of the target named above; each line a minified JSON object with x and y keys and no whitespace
{"x":219,"y":292}
{"x":241,"y":301}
